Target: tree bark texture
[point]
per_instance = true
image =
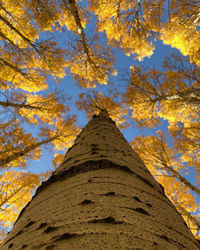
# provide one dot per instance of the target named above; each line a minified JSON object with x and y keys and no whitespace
{"x":101,"y":197}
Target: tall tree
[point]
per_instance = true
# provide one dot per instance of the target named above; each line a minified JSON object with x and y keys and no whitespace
{"x":25,"y":62}
{"x":172,"y":95}
{"x":18,"y":146}
{"x":28,"y":58}
{"x":102,"y":195}
{"x":183,"y":23}
{"x":166,"y":165}
{"x":16,"y":189}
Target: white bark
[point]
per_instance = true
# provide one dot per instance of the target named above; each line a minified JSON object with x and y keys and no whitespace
{"x":101,"y":197}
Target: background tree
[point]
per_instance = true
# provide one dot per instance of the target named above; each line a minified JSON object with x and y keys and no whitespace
{"x":169,"y":169}
{"x":15,"y":191}
{"x":183,"y":23}
{"x":172,"y":96}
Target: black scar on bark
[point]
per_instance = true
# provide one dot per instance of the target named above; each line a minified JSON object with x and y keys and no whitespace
{"x":11,"y":245}
{"x":30,"y":224}
{"x":85,"y":202}
{"x":148,"y":204}
{"x":24,"y":246}
{"x":164,"y":237}
{"x":141,"y":210}
{"x":64,"y":236}
{"x":50,"y":229}
{"x":20,"y":232}
{"x":137,"y":199}
{"x":44,"y":224}
{"x":109,"y":194}
{"x":138,"y":209}
{"x":109,"y":220}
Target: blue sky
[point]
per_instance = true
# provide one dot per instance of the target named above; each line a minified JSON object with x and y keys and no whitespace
{"x":68,"y":86}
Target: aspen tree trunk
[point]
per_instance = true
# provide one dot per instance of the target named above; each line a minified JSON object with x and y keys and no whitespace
{"x":24,"y":151}
{"x":101,"y":197}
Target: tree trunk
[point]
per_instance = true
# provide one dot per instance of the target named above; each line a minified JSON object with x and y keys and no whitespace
{"x":101,"y":197}
{"x":24,"y":151}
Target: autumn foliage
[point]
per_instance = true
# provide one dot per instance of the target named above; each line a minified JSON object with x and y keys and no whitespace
{"x":42,"y":41}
